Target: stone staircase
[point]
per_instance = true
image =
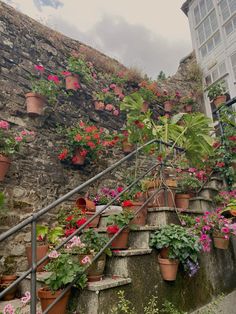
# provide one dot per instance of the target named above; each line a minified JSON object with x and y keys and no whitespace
{"x":136,"y":270}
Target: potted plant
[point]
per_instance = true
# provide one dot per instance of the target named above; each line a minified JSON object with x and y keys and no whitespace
{"x":104,"y":196}
{"x":85,"y":142}
{"x":187,"y":185}
{"x":115,"y":222}
{"x":216,"y":225}
{"x":43,"y":90}
{"x":63,"y":271}
{"x":132,"y":206}
{"x":177,"y":245}
{"x":216,"y":94}
{"x":8,"y":277}
{"x":9,"y":145}
{"x":85,"y":248}
{"x":78,"y":69}
{"x":189,"y":103}
{"x":148,"y":97}
{"x":167,"y":100}
{"x":45,"y":237}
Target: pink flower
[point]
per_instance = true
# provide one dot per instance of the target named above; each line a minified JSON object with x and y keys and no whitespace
{"x":8,"y":309}
{"x":109,"y":107}
{"x":113,"y":86}
{"x":86,"y":260}
{"x":54,"y":78}
{"x":192,"y":170}
{"x":220,"y":164}
{"x":94,"y":75}
{"x":65,"y":73}
{"x":26,"y":298}
{"x":39,"y":68}
{"x":4,"y":125}
{"x":76,"y":85}
{"x":105,"y":90}
{"x":116,"y":113}
{"x":74,"y":242}
{"x":53,"y":254}
{"x":19,"y":138}
{"x":225,"y":230}
{"x":121,"y":96}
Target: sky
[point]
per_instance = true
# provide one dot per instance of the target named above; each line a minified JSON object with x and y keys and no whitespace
{"x":152,"y":35}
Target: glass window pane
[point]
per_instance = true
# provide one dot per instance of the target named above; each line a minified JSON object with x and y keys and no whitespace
{"x":210,"y":45}
{"x":229,"y":27}
{"x":233,"y":61}
{"x":215,"y":75}
{"x":224,"y":9}
{"x":208,"y":79}
{"x":203,"y":51}
{"x":232,"y":6}
{"x":209,"y":5}
{"x":207,"y":28}
{"x":217,"y":38}
{"x":197,"y":15}
{"x":222,"y":68}
{"x":234,"y":22}
{"x":213,"y":19}
{"x":201,"y":34}
{"x":202,"y":8}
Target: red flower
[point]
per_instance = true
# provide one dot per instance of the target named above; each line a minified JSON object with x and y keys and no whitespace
{"x":39,"y":68}
{"x":69,"y":218}
{"x":96,"y":136}
{"x":220,"y":164}
{"x":232,"y":138}
{"x":91,"y":145}
{"x":54,"y":78}
{"x":63,"y":154}
{"x":81,"y":124}
{"x":83,"y":153}
{"x":120,"y":189}
{"x":81,"y":221}
{"x":65,"y":73}
{"x":139,"y":124}
{"x":127,"y":203}
{"x":76,"y":85}
{"x":88,"y":138}
{"x":113,"y":229}
{"x":40,"y":238}
{"x":78,"y":137}
{"x":216,"y":145}
{"x":69,"y":231}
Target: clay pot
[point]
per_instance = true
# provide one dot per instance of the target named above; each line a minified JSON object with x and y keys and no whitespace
{"x":72,"y":82}
{"x":46,"y":298}
{"x":127,"y":147}
{"x":5,"y":282}
{"x":141,"y":216}
{"x":34,"y":103}
{"x":164,"y":253}
{"x":220,"y":242}
{"x":121,"y":241}
{"x":4,"y":166}
{"x":168,"y":105}
{"x":41,"y":251}
{"x":94,"y":223}
{"x":79,"y":160}
{"x":219,"y":100}
{"x":96,"y":269}
{"x":188,"y":108}
{"x":159,"y":199}
{"x":145,"y":107}
{"x":85,"y":204}
{"x":99,"y":105}
{"x":168,"y":268}
{"x":182,"y":201}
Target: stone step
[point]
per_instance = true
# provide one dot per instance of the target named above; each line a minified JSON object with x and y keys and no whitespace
{"x":25,"y":283}
{"x":201,"y":203}
{"x":209,"y":192}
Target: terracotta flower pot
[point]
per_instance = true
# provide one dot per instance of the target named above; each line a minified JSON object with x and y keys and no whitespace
{"x":35,"y":104}
{"x":4,"y":166}
{"x":85,"y":204}
{"x":5,"y":282}
{"x":220,"y":242}
{"x":168,"y":268}
{"x":145,"y":107}
{"x":159,"y":199}
{"x":219,"y":100}
{"x":168,"y":105}
{"x":182,"y":201}
{"x":164,"y":253}
{"x":96,"y":269}
{"x":121,"y":241}
{"x":94,"y":223}
{"x":127,"y":147}
{"x":41,"y":251}
{"x":141,"y":218}
{"x":46,"y":298}
{"x":99,"y":105}
{"x":72,"y":82}
{"x":188,"y":108}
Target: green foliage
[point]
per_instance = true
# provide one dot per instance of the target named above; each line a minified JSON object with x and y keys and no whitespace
{"x":94,"y":241}
{"x":187,"y":220}
{"x":169,"y":308}
{"x":2,"y":201}
{"x":181,"y":243}
{"x":187,"y":183}
{"x":147,"y":95}
{"x":123,"y":306}
{"x":48,"y":89}
{"x":80,"y":67}
{"x":64,"y":270}
{"x":122,"y":219}
{"x":44,"y":233}
{"x":152,"y":306}
{"x":161,"y":76}
{"x":216,"y":90}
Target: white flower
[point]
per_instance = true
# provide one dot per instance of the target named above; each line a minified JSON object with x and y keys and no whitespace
{"x":53,"y":254}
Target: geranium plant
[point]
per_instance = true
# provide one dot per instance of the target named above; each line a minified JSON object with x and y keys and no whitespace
{"x":79,"y":66}
{"x":182,"y":245}
{"x":216,"y":90}
{"x":188,"y":183}
{"x":117,"y":221}
{"x":105,"y":195}
{"x":49,"y":235}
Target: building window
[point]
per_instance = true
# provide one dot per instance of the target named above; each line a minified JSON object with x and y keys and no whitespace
{"x":227,"y":7}
{"x":201,"y":10}
{"x":210,"y":44}
{"x":230,"y":26}
{"x":207,"y":28}
{"x":233,"y":61}
{"x":216,"y":73}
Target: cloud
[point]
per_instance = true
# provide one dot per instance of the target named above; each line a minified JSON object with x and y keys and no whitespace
{"x":50,"y":3}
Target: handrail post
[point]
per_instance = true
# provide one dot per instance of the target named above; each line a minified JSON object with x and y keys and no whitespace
{"x":33,"y":304}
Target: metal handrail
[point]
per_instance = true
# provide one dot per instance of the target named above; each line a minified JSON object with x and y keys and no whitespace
{"x":34,"y":217}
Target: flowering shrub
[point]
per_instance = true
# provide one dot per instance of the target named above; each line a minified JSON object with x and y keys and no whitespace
{"x":182,"y":244}
{"x":79,"y":66}
{"x":10,"y":143}
{"x":119,"y":220}
{"x":213,"y":223}
{"x":48,"y":86}
{"x":87,"y":140}
{"x":105,"y":195}
{"x":10,"y":309}
{"x":188,"y":183}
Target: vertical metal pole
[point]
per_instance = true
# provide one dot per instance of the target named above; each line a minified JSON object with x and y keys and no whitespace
{"x":33,"y":304}
{"x":220,"y":124}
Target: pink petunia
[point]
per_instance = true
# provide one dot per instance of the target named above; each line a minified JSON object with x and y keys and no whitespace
{"x":54,"y":78}
{"x":4,"y":125}
{"x":19,"y":138}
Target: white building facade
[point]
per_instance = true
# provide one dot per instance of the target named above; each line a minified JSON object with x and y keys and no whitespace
{"x":213,"y":31}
